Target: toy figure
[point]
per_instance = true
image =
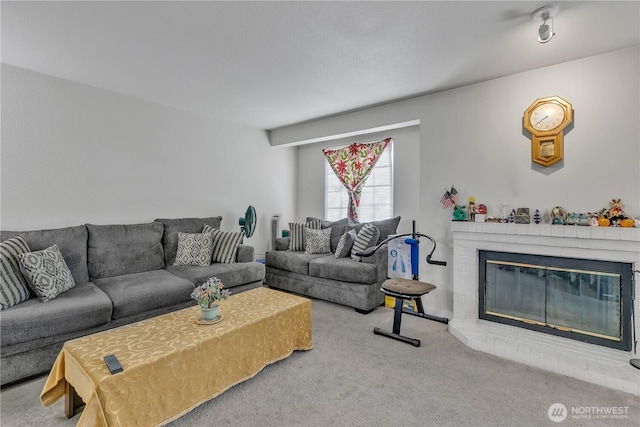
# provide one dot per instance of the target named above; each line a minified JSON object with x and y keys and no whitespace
{"x":472,"y":209}
{"x":459,"y":213}
{"x":615,"y":211}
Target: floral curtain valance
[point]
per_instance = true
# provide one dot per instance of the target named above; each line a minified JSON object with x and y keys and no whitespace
{"x":353,"y":165}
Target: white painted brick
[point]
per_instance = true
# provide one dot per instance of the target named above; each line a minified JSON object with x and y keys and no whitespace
{"x":612,"y":233}
{"x":545,"y":229}
{"x":587,"y":362}
{"x":501,"y":228}
{"x":632,"y":234}
{"x":597,"y":233}
{"x":583,"y":232}
{"x":533,"y":229}
{"x":511,"y":228}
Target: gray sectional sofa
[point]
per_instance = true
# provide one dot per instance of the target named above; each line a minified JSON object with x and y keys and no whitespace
{"x":123,"y":274}
{"x":340,"y":280}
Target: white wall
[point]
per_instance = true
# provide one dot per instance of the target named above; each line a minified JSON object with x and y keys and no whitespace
{"x":472,"y":137}
{"x":74,"y":154}
{"x":406,"y":152}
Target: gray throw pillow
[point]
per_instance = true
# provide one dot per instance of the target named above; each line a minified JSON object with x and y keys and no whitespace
{"x":194,"y":249}
{"x":13,"y":286}
{"x":317,"y":241}
{"x":345,"y":244}
{"x":367,"y":237}
{"x":46,"y":273}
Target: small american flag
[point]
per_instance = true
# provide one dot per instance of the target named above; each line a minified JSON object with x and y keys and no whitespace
{"x":446,"y":200}
{"x":449,"y":198}
{"x":454,"y":195}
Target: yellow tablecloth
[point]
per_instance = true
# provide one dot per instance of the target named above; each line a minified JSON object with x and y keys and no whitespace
{"x":172,"y":364}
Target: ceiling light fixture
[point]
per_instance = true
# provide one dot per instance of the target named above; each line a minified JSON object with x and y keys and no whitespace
{"x":546,"y":14}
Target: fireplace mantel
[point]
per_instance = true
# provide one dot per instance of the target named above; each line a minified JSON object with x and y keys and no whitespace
{"x":588,"y":362}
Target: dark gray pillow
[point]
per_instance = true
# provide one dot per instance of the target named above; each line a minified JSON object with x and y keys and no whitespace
{"x":343,"y":249}
{"x":385,"y":226}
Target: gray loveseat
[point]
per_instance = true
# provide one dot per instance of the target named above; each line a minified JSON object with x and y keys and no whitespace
{"x":340,"y":280}
{"x":123,"y":274}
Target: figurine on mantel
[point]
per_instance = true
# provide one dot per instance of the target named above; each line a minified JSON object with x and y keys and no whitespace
{"x":512,"y":217}
{"x":536,"y":217}
{"x":459,"y":213}
{"x":522,"y":216}
{"x":472,"y":209}
{"x":481,"y":213}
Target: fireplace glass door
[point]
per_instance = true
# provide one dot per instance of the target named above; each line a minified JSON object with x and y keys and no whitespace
{"x":580,"y":299}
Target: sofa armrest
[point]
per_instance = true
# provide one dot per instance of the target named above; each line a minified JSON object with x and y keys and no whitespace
{"x":282,"y":243}
{"x":245,"y":253}
{"x":380,"y":258}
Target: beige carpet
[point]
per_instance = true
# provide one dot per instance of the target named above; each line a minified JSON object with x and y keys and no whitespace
{"x":355,"y":378}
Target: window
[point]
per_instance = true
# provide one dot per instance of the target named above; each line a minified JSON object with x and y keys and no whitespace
{"x":377,"y":195}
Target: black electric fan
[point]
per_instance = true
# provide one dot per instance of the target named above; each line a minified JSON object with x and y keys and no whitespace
{"x":248,"y":222}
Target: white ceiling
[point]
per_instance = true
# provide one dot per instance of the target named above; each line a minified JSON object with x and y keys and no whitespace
{"x":272,"y":64}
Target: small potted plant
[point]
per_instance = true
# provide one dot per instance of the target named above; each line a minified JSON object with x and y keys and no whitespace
{"x":207,"y":295}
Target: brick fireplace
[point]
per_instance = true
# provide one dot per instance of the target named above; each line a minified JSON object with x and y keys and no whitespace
{"x":588,"y":362}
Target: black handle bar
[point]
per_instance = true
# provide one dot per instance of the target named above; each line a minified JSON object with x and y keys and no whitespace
{"x":372,"y":250}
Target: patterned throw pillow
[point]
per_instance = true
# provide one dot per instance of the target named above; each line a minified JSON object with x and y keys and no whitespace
{"x":317,"y":241}
{"x":367,"y":237}
{"x":13,"y":286}
{"x":297,"y":240}
{"x":225,"y":245}
{"x":345,"y":244}
{"x":46,"y":273}
{"x":194,"y":249}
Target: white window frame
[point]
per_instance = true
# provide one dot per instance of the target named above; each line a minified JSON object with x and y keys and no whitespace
{"x":335,"y":206}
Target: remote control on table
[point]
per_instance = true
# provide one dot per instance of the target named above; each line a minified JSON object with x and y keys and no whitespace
{"x":113,"y":364}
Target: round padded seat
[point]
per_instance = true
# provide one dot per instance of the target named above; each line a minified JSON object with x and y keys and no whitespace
{"x":407,"y":287}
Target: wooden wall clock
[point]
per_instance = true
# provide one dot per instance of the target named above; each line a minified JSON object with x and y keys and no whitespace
{"x":546,"y":119}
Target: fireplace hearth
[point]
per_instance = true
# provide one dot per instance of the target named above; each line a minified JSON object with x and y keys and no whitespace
{"x":567,"y":350}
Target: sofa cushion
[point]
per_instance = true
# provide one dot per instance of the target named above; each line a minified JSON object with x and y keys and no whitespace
{"x":184,"y":225}
{"x":139,"y":292}
{"x":13,"y":286}
{"x":296,"y":262}
{"x":317,"y":241}
{"x":72,"y":242}
{"x":232,"y":275}
{"x":297,"y":238}
{"x":337,"y":229}
{"x":83,"y":307}
{"x":115,"y":250}
{"x":345,"y":244}
{"x":46,"y":273}
{"x":343,"y":269}
{"x":366,"y":238}
{"x":194,"y":249}
{"x":386,"y":227}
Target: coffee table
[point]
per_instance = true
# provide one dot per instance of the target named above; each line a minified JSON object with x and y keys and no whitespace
{"x":172,"y":363}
